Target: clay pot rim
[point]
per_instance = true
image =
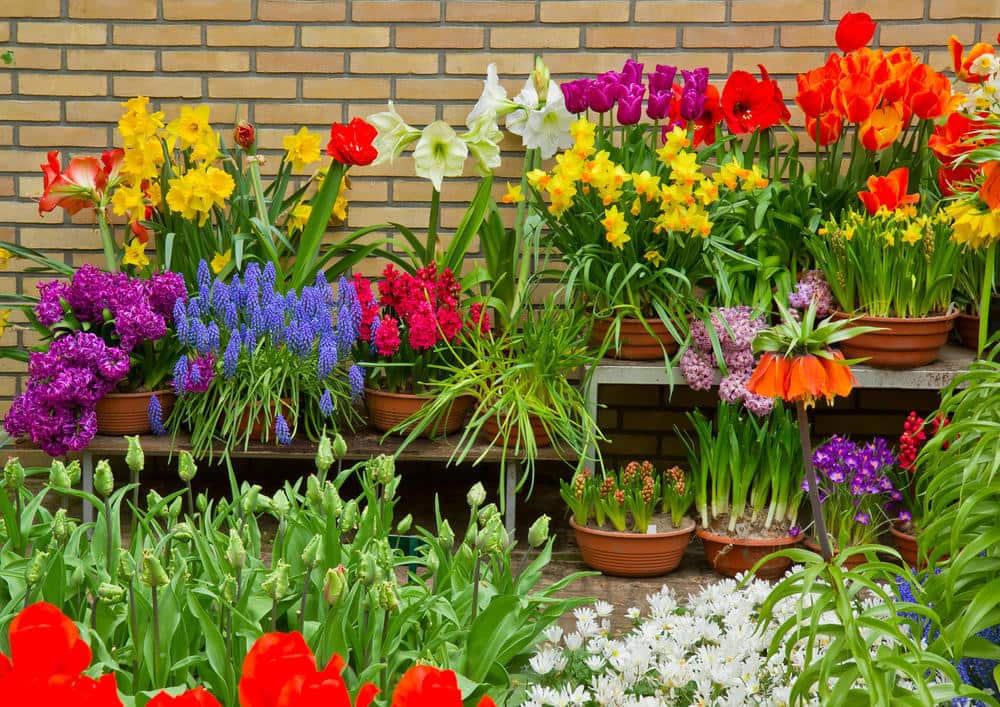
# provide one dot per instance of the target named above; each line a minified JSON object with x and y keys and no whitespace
{"x":688,"y":527}
{"x":900,"y":534}
{"x":966,"y":315}
{"x":140,"y":394}
{"x":898,"y":320}
{"x":410,"y":396}
{"x":748,"y":542}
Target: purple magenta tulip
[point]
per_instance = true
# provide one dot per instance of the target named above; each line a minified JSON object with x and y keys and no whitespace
{"x":630,"y":103}
{"x":662,"y":79}
{"x":693,"y":95}
{"x":632,"y":72}
{"x":576,"y":94}
{"x":658,"y":106}
{"x":602,"y":92}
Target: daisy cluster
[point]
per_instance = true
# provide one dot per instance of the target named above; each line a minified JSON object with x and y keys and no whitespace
{"x":707,"y":651}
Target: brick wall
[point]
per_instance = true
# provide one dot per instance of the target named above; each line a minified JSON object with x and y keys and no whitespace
{"x":284,"y":63}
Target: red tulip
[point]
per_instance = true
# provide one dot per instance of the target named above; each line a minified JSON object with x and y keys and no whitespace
{"x":829,"y":129}
{"x":855,"y":30}
{"x":244,"y":135}
{"x":427,"y":686}
{"x":198,"y":697}
{"x":351,"y":144}
{"x":888,"y":191}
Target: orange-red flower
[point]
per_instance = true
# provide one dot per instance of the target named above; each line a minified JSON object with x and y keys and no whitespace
{"x":900,"y":63}
{"x":839,"y":379}
{"x":802,"y":378}
{"x":427,"y":686}
{"x":815,"y":88}
{"x":829,"y":126}
{"x":963,"y":62}
{"x":881,"y":128}
{"x":990,"y":189}
{"x":749,"y":104}
{"x":351,"y":144}
{"x":888,"y":191}
{"x":854,"y":31}
{"x":806,"y":379}
{"x":855,"y":97}
{"x":953,"y":137}
{"x":770,"y":378}
{"x":198,"y":697}
{"x":930,"y":93}
{"x":957,"y":179}
{"x":78,"y":187}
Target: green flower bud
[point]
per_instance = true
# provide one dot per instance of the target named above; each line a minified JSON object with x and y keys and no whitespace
{"x":493,"y":538}
{"x":334,"y":584}
{"x":37,"y":567}
{"x":236,"y":554}
{"x":250,"y":496}
{"x":59,"y":476}
{"x":312,"y":555}
{"x":263,"y":504}
{"x":186,"y":468}
{"x":403,"y":526}
{"x":104,"y":480}
{"x":446,"y":535}
{"x":339,"y":446}
{"x":182,"y":532}
{"x":280,"y":504}
{"x":476,"y":496}
{"x":385,"y":596}
{"x":314,"y":492}
{"x":134,"y":457}
{"x":275,"y":585}
{"x":153,"y":574}
{"x":332,"y":505}
{"x":126,"y":565}
{"x":324,"y":455}
{"x":381,"y":469}
{"x":368,"y":571}
{"x":229,"y":589}
{"x":538,"y":533}
{"x":175,"y":508}
{"x":77,"y":577}
{"x":349,"y":521}
{"x":75,"y":472}
{"x":487,"y":513}
{"x":13,"y":474}
{"x":201,"y":502}
{"x":155,"y":501}
{"x":110,"y":593}
{"x":540,"y":77}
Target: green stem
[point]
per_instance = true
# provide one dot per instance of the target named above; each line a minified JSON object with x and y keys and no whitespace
{"x":135,"y":501}
{"x":190,"y":496}
{"x":274,"y":614}
{"x":133,"y":624}
{"x":156,"y":636}
{"x":986,"y":295}
{"x":302,"y":605}
{"x":258,"y":190}
{"x":107,"y":241}
{"x":107,"y":533}
{"x":818,"y":523}
{"x":432,"y":227}
{"x":475,"y":587}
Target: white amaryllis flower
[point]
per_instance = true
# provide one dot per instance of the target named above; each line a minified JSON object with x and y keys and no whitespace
{"x":439,"y":153}
{"x":494,"y":98}
{"x":394,"y":135}
{"x":545,"y":127}
{"x":483,"y":141}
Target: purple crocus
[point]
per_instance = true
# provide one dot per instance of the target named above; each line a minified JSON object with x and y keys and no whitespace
{"x":631,"y":73}
{"x":693,"y":93}
{"x":630,"y":103}
{"x":602,"y":91}
{"x":576,"y":94}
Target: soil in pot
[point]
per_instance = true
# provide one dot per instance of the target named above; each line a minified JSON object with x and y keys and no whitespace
{"x":730,"y":554}
{"x":491,"y":428}
{"x":902,"y":343}
{"x":128,"y":413}
{"x":386,"y":410}
{"x":627,"y":554}
{"x":635,"y":342}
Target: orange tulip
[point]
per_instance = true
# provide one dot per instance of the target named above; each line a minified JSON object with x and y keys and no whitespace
{"x":888,"y":191}
{"x":901,"y":63}
{"x":829,"y":128}
{"x":951,"y":139}
{"x":815,"y":88}
{"x":770,"y":378}
{"x":881,"y":129}
{"x":806,"y":379}
{"x":839,"y":379}
{"x":930,"y":93}
{"x":963,"y":62}
{"x":990,"y":190}
{"x":856,"y":96}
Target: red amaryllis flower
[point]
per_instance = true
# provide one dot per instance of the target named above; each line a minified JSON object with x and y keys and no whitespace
{"x":711,"y":114}
{"x":198,"y":697}
{"x":749,"y":104}
{"x":280,"y":671}
{"x":888,"y":191}
{"x":427,"y":686}
{"x":829,"y":128}
{"x":881,"y":128}
{"x":854,"y":31}
{"x":78,"y":187}
{"x":351,"y":144}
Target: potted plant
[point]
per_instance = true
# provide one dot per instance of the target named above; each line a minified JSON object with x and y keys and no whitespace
{"x":747,"y":476}
{"x":107,"y":346}
{"x":259,"y":364}
{"x":856,"y":492}
{"x":892,"y":269}
{"x":968,"y":286}
{"x":646,"y":511}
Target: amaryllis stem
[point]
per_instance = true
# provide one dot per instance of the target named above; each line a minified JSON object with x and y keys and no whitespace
{"x":818,"y":523}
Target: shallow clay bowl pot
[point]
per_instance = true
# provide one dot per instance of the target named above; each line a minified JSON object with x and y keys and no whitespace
{"x":903,"y":343}
{"x":730,"y":556}
{"x":633,"y":554}
{"x":636,"y":343}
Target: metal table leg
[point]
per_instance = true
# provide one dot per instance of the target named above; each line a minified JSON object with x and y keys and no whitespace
{"x":512,"y":473}
{"x":88,"y":485}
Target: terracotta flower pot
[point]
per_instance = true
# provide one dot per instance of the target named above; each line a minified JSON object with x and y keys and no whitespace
{"x":850,"y":564}
{"x":128,"y":413}
{"x":633,"y":554}
{"x":906,"y":544}
{"x":730,"y":556}
{"x":903,"y":343}
{"x":386,"y":410}
{"x":967,"y":326}
{"x":636,"y":344}
{"x":491,"y":428}
{"x":258,"y":424}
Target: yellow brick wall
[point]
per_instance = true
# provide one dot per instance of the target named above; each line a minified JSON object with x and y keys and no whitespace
{"x":289,"y":62}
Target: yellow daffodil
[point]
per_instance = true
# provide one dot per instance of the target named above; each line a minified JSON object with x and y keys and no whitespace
{"x":135,"y":254}
{"x":195,"y":193}
{"x":137,"y":125}
{"x":190,"y":127}
{"x":636,"y":206}
{"x":654,"y":257}
{"x":538,"y":179}
{"x":5,"y":256}
{"x":206,"y":148}
{"x":707,"y":192}
{"x":340,"y":205}
{"x":513,"y":195}
{"x":129,"y":200}
{"x":301,"y":149}
{"x":221,"y":260}
{"x":155,"y":195}
{"x":646,"y":184}
{"x":684,"y":168}
{"x":912,"y":234}
{"x":561,"y":193}
{"x":298,"y":217}
{"x":4,"y":319}
{"x":675,"y":141}
{"x":142,"y":161}
{"x":972,"y":226}
{"x":615,"y":227}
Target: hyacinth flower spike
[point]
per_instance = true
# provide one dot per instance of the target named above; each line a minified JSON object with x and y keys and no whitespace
{"x":798,"y":366}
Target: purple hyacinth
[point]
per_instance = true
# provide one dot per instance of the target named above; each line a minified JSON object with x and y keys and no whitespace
{"x":155,"y":411}
{"x":204,"y":280}
{"x":268,"y":277}
{"x":326,"y":403}
{"x":214,"y":337}
{"x":166,"y":290}
{"x":181,"y":325}
{"x":181,"y":376}
{"x":630,"y":103}
{"x":812,"y":287}
{"x":231,"y":357}
{"x":697,"y":368}
{"x":51,"y":295}
{"x":281,"y":431}
{"x":201,"y":372}
{"x":356,"y":378}
{"x":327,"y":357}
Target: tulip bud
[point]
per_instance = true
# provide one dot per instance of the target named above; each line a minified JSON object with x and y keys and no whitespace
{"x":538,"y":533}
{"x":493,"y":538}
{"x":174,"y":511}
{"x":59,"y":476}
{"x":153,"y":574}
{"x":244,"y":135}
{"x":487,"y":513}
{"x":385,"y":596}
{"x":333,"y":506}
{"x":349,"y":521}
{"x":13,"y":474}
{"x":314,"y":492}
{"x":60,"y":526}
{"x":104,"y":480}
{"x":404,"y":525}
{"x":368,"y":571}
{"x":250,"y":496}
{"x":381,"y":469}
{"x":446,"y":535}
{"x":324,"y":455}
{"x":35,"y":570}
{"x":275,"y":585}
{"x":236,"y":554}
{"x":339,"y":446}
{"x":182,"y":532}
{"x":201,"y":502}
{"x":229,"y":589}
{"x":313,"y":553}
{"x":476,"y":496}
{"x":74,"y":471}
{"x":186,"y":468}
{"x":126,"y":565}
{"x":110,"y":593}
{"x":154,"y":499}
{"x":334,"y":584}
{"x":280,"y":504}
{"x":77,"y":577}
{"x":134,"y":457}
